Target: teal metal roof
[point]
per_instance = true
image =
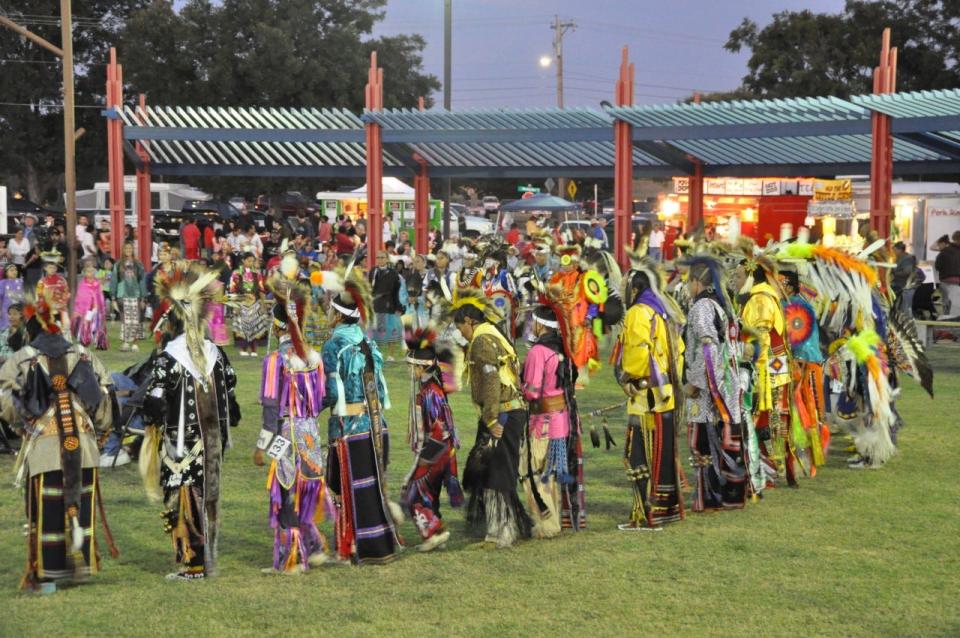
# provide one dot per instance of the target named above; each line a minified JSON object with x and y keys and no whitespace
{"x":740,"y":112}
{"x":808,"y":136}
{"x":250,"y":137}
{"x":912,"y":105}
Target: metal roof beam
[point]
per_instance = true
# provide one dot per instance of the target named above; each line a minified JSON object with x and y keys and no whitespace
{"x":744,"y":131}
{"x":925,"y":124}
{"x":791,"y":129}
{"x":534,"y":172}
{"x":933,"y":142}
{"x":193,"y":134}
{"x":206,"y":170}
{"x":427,"y":136}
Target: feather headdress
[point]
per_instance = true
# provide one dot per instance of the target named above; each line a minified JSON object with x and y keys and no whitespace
{"x":293,"y":301}
{"x":657,"y":282}
{"x":712,"y":266}
{"x":843,"y":280}
{"x":542,"y":241}
{"x":605,"y":264}
{"x":905,"y":346}
{"x":191,"y":288}
{"x":420,"y":344}
{"x":472,"y":297}
{"x":352,"y":294}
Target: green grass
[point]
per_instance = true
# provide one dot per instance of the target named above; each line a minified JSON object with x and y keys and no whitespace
{"x":851,"y":553}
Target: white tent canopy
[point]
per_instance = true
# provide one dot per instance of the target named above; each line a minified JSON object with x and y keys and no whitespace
{"x":393,"y":189}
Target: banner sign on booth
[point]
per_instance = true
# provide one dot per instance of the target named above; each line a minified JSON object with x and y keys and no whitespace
{"x":831,"y":190}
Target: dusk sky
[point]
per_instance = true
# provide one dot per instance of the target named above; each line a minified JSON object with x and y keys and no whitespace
{"x":676,"y":46}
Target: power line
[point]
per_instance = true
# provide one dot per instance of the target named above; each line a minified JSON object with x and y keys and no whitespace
{"x":654,"y":33}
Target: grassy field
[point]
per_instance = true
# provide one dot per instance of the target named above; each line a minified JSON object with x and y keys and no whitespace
{"x":851,"y":553}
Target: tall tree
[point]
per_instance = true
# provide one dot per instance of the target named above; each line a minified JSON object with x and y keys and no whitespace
{"x":289,"y":53}
{"x":31,"y":79}
{"x":280,"y":53}
{"x":261,"y":53}
{"x":801,"y":53}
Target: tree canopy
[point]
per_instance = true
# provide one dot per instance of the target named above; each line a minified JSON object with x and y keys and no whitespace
{"x":801,"y":53}
{"x":281,"y":53}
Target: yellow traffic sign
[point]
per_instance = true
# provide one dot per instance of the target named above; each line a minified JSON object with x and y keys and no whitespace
{"x":571,"y":189}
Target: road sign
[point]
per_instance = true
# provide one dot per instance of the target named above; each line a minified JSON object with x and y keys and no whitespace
{"x":549,"y":184}
{"x":571,"y":189}
{"x":528,"y":189}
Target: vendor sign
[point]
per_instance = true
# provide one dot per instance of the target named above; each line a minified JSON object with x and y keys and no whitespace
{"x":831,"y":190}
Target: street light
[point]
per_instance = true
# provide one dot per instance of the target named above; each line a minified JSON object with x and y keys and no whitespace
{"x":545,"y":61}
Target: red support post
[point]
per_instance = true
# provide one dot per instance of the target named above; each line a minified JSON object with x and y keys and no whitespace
{"x":881,"y":163}
{"x":695,"y":196}
{"x":144,"y":217}
{"x":695,"y":192}
{"x":421,"y":199}
{"x":117,"y":197}
{"x":374,"y":148}
{"x":623,"y":166}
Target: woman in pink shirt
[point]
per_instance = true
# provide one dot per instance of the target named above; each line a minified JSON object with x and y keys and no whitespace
{"x":544,"y":470}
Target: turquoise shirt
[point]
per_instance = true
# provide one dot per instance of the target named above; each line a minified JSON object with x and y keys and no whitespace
{"x":344,"y":362}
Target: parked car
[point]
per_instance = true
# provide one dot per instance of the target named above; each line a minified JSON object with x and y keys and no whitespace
{"x":491,"y":204}
{"x":467,"y":225}
{"x":210,"y":209}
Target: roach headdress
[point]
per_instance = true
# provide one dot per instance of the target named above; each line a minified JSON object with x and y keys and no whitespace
{"x":293,"y":299}
{"x":352,"y":295}
{"x":643,"y":268}
{"x":470,"y":302}
{"x":191,"y":289}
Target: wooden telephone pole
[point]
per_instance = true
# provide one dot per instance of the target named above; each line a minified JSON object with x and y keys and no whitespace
{"x":69,"y":126}
{"x":559,"y":28}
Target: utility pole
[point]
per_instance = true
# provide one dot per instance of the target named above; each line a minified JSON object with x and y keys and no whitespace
{"x":69,"y":133}
{"x":447,"y":75}
{"x":559,"y":28}
{"x":69,"y":141}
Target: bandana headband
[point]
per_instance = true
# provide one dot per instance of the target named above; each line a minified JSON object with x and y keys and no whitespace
{"x":354,"y":312}
{"x":546,"y":322}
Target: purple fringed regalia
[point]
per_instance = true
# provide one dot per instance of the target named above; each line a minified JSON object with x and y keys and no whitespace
{"x":292,"y":400}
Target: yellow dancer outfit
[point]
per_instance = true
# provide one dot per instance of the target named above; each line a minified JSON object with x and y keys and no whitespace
{"x":650,"y":356}
{"x":764,"y":325}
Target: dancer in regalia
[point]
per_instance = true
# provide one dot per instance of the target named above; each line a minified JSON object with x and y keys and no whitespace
{"x":129,"y":294}
{"x":190,"y":409}
{"x":55,"y":391}
{"x":250,"y":322}
{"x":713,"y":390}
{"x":764,"y":327}
{"x":356,"y":394}
{"x":549,"y":376}
{"x":650,"y":361}
{"x":11,"y":291}
{"x":52,"y":279}
{"x":808,"y":431}
{"x":586,"y":292}
{"x":89,"y":324}
{"x":432,"y":437}
{"x":292,"y":390}
{"x":490,"y":476}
